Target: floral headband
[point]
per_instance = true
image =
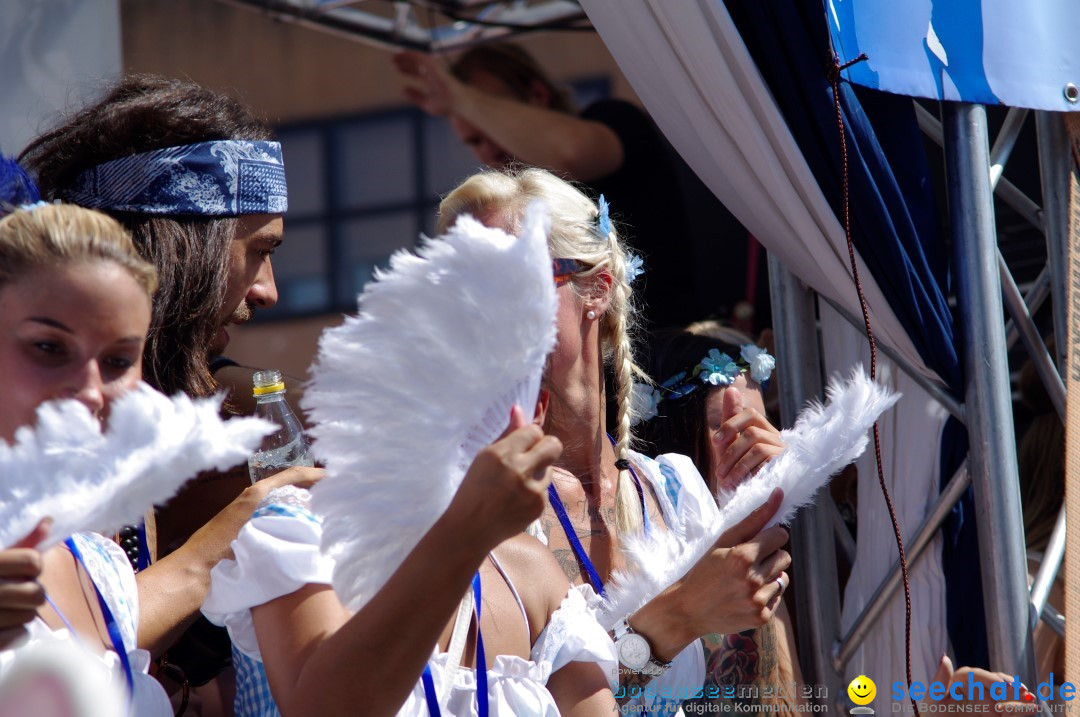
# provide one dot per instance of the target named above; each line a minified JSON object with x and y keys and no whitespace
{"x":716,"y":369}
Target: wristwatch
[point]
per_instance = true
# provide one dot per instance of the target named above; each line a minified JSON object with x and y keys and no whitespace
{"x":635,"y":652}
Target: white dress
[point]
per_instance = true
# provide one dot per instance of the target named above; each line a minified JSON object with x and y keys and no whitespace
{"x":277,"y":553}
{"x":108,"y":567}
{"x":682,"y":496}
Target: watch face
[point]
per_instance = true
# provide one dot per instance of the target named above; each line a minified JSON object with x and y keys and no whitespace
{"x":634,"y":651}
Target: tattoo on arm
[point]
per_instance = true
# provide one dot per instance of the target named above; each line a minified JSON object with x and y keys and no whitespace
{"x":742,"y":664}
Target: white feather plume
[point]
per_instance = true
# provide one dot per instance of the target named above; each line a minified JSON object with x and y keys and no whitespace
{"x":823,"y":440}
{"x":404,"y":395}
{"x":86,"y":479}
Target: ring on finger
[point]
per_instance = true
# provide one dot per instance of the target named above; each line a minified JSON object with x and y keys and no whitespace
{"x":780,"y":582}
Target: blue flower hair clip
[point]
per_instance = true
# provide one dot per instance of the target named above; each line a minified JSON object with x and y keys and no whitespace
{"x":715,"y":370}
{"x":635,"y":267}
{"x":603,"y":218}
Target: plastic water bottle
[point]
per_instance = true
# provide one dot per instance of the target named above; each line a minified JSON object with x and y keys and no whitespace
{"x":288,"y":446}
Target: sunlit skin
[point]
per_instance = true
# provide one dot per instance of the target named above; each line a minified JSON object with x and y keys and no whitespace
{"x":72,"y":331}
{"x":250,"y":280}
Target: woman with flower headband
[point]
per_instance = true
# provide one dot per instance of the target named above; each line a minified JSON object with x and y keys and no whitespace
{"x":692,"y":411}
{"x":603,"y":490}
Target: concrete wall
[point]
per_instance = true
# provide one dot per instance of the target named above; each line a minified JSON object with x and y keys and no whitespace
{"x":289,"y":73}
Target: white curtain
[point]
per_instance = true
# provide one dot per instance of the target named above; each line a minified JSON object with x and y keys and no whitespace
{"x":688,"y":64}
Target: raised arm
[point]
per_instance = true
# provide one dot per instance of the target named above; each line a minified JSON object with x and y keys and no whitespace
{"x":732,"y":588}
{"x":581,"y":149}
{"x":319,"y":660}
{"x":172,"y":590}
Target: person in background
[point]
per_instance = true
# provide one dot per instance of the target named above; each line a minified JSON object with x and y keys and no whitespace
{"x":700,"y":419}
{"x":502,"y":104}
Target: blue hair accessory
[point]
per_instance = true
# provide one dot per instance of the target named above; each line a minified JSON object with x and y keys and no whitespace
{"x":715,"y":370}
{"x":17,"y":189}
{"x":221,"y":178}
{"x":603,"y":218}
{"x":635,"y":267}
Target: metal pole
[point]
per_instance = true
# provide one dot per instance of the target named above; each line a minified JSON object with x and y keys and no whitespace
{"x":1033,"y":300}
{"x":817,"y":595}
{"x":1040,"y":357}
{"x":1005,"y":141}
{"x":1048,"y":569}
{"x":1055,"y":161}
{"x":944,"y":503}
{"x":992,"y":456}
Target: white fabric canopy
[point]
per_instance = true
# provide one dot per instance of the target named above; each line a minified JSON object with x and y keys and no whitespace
{"x":688,"y":64}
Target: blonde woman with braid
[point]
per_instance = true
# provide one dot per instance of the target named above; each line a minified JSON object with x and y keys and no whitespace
{"x":602,"y":489}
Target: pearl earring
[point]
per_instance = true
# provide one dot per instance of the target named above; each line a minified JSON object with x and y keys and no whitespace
{"x":591,"y":314}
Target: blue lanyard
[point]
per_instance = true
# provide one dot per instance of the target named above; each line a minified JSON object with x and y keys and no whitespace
{"x":144,"y":547}
{"x":432,"y":697}
{"x":571,"y":534}
{"x":111,"y":625}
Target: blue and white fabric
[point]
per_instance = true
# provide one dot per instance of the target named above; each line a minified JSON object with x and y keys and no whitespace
{"x":108,"y":567}
{"x":683,"y":497}
{"x":221,"y":178}
{"x":277,"y":553}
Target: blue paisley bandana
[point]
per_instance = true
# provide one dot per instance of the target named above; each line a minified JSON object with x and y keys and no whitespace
{"x":223,"y":178}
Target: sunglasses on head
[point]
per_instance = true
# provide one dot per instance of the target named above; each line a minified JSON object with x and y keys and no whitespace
{"x":563,"y":269}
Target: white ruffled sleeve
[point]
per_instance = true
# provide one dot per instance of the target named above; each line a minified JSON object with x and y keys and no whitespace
{"x":573,"y":635}
{"x":276,"y":554}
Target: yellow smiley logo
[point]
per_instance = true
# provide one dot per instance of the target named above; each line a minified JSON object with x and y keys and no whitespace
{"x":862,"y":690}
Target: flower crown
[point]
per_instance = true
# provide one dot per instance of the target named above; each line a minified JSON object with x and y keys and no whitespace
{"x":716,"y":369}
{"x":635,"y":267}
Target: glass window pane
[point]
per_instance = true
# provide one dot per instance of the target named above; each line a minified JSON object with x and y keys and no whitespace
{"x":376,"y":162}
{"x":368,"y":243}
{"x":447,"y":160}
{"x":304,"y":169}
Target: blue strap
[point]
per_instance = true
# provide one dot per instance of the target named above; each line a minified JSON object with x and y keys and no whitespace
{"x":432,"y":697}
{"x":111,"y":625}
{"x":575,"y":544}
{"x":144,"y":548}
{"x":481,"y":659}
{"x":429,"y":693}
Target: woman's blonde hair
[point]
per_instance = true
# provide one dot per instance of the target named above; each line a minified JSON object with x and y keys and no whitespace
{"x":501,"y":198}
{"x":59,"y":234}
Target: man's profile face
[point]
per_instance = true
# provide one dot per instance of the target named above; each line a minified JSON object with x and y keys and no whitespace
{"x":250,"y":278}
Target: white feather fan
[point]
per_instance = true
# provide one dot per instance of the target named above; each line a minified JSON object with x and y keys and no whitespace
{"x":823,"y":440}
{"x":85,"y":479}
{"x":405,"y":394}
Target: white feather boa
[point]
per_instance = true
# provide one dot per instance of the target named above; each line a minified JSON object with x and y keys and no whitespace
{"x":86,"y":479}
{"x":823,"y":440}
{"x":405,"y":394}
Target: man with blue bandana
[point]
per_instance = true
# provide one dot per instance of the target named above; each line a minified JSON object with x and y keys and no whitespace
{"x":200,"y":184}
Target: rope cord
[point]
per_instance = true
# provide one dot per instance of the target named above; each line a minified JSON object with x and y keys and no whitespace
{"x":834,"y":79}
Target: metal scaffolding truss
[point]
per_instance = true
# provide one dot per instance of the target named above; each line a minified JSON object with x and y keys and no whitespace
{"x":433,"y":26}
{"x":974,"y":174}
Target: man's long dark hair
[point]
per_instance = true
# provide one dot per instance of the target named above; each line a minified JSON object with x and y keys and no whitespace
{"x":138,"y":114}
